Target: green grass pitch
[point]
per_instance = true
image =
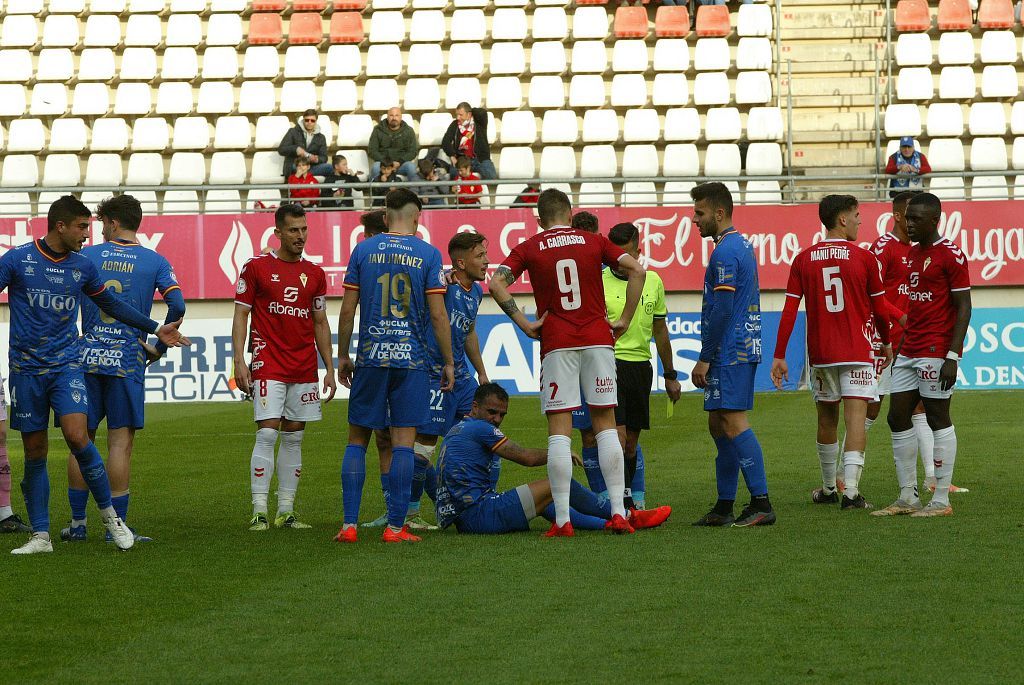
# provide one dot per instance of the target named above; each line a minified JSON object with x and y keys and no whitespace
{"x":822,"y":597}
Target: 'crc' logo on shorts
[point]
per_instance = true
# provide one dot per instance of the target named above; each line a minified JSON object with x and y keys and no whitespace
{"x":310,"y":397}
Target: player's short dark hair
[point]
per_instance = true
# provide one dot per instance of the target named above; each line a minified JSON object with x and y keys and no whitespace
{"x":715,"y":193}
{"x":490,"y":390}
{"x":584,"y":221}
{"x":124,"y":209}
{"x":373,"y":223}
{"x":338,"y":159}
{"x":287,"y":209}
{"x":399,"y":198}
{"x":831,"y":206}
{"x":65,"y":210}
{"x":467,"y":240}
{"x":930,"y":201}
{"x":551,"y":204}
{"x":899,"y":202}
{"x":624,"y":234}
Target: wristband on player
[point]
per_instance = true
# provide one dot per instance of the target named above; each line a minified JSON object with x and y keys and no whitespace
{"x":953,"y":356}
{"x":670,"y":375}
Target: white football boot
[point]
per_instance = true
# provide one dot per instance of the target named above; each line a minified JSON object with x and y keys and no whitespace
{"x":122,"y":536}
{"x":36,"y":544}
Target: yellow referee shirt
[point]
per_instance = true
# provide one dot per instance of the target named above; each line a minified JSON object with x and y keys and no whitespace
{"x":635,"y":344}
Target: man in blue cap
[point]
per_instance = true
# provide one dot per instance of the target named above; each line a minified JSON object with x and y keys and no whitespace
{"x":906,"y":166}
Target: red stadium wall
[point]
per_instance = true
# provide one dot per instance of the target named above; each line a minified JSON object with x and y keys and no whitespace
{"x":208,"y":251}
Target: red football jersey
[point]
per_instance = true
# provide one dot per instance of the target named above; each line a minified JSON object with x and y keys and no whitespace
{"x":282,"y":296}
{"x":936,"y":272}
{"x":894,"y":256}
{"x":565,"y":271}
{"x":839,"y":280}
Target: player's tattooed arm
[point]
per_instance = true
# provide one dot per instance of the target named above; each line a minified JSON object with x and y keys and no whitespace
{"x":505,"y":275}
{"x":509,"y":306}
{"x":525,"y":456}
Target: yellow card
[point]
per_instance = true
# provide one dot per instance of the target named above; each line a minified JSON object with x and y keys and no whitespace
{"x":670,"y":407}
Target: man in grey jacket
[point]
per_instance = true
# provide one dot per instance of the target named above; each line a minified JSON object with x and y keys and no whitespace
{"x":306,"y":141}
{"x":394,"y":139}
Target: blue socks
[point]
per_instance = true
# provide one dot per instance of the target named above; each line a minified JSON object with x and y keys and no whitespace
{"x":120,"y":504}
{"x":727,"y":470}
{"x":400,"y":477}
{"x":592,"y":467}
{"x":578,"y":520}
{"x":419,"y":478}
{"x":36,"y":488}
{"x":385,"y":488}
{"x":430,"y":483}
{"x":78,"y":499}
{"x":639,"y":484}
{"x":353,"y":476}
{"x":586,"y":502}
{"x":94,"y":473}
{"x":750,"y":459}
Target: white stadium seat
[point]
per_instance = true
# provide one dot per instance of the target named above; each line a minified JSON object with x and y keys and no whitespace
{"x":55,"y":64}
{"x":946,"y":188}
{"x":184,"y":29}
{"x":60,"y":31}
{"x":151,"y":133}
{"x":303,"y":61}
{"x":672,"y":54}
{"x":383,"y":60}
{"x":629,"y":55}
{"x":181,"y":201}
{"x":510,"y":58}
{"x":19,"y":31}
{"x":1017,"y":159}
{"x":518,"y":128}
{"x":16,"y":65}
{"x":509,"y":23}
{"x":597,"y":161}
{"x":722,"y":159}
{"x":557,"y":161}
{"x":109,"y":135}
{"x":753,"y":87}
{"x":586,"y":90}
{"x":682,"y":124}
{"x":102,"y":31}
{"x":709,"y":88}
{"x":589,"y":57}
{"x":61,"y":170}
{"x":547,"y":92}
{"x":223,"y":201}
{"x":590,"y":22}
{"x":143,"y":30}
{"x":175,"y":97}
{"x":298,"y":96}
{"x":133,"y":99}
{"x":433,"y":126}
{"x":261,"y":61}
{"x":67,"y":135}
{"x":270,"y":129}
{"x":103,"y":169}
{"x":640,"y":160}
{"x":914,"y":83}
{"x":639,"y":194}
{"x":224,"y":29}
{"x":723,"y":123}
{"x":902,"y":120}
{"x":387,"y":27}
{"x":516,"y":162}
{"x":946,"y":154}
{"x":754,"y":20}
{"x":988,"y":154}
{"x":343,"y":60}
{"x":754,"y":54}
{"x":560,"y":126}
{"x":641,"y":126}
{"x":91,"y":99}
{"x":380,"y":94}
{"x":596,"y":195}
{"x":338,"y":96}
{"x":48,"y":99}
{"x":191,"y":133}
{"x":764,"y":123}
{"x":998,"y":47}
{"x":66,"y":6}
{"x":15,"y":204}
{"x":762,"y":192}
{"x":468,"y":25}
{"x":677,"y":193}
{"x":999,"y":81}
{"x":1017,"y":118}
{"x":227,"y":168}
{"x":389,"y":4}
{"x":957,"y":83}
{"x":96,"y":64}
{"x":629,"y":90}
{"x":220,"y":63}
{"x":139,"y":64}
{"x":764,"y":159}
{"x":426,"y":59}
{"x":461,"y":89}
{"x":681,"y":159}
{"x":945,"y":119}
{"x":187,"y":169}
{"x":26,"y":135}
{"x":989,"y":188}
{"x":504,"y":92}
{"x":914,"y":50}
{"x":422,"y":94}
{"x":464,"y":59}
{"x":145,"y":169}
{"x":987,"y":119}
{"x":19,"y":171}
{"x":600,"y":126}
{"x":198,"y":6}
{"x":547,"y":57}
{"x":550,"y":23}
{"x":354,"y":130}
{"x":956,"y":47}
{"x":711,"y":54}
{"x":179,"y":64}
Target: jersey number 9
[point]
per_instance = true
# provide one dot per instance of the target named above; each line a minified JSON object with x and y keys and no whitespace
{"x":568,"y":283}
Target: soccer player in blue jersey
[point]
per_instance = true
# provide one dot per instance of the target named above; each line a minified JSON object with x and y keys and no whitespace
{"x":112,"y":352}
{"x":730,"y":331}
{"x":469,"y":465}
{"x":45,"y":280}
{"x":397,"y":282}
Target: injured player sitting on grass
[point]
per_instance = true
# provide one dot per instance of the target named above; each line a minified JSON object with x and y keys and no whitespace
{"x":467,"y":478}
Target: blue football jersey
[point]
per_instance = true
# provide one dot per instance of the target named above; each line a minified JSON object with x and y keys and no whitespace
{"x":44,"y":294}
{"x":393,"y":275}
{"x":465,"y":467}
{"x":732,"y":267}
{"x":462,"y":306}
{"x":110,"y":347}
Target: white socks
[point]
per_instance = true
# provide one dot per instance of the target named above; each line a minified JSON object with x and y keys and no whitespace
{"x":289,"y":469}
{"x":560,"y":475}
{"x":609,"y":455}
{"x":853,"y":465}
{"x":6,"y":512}
{"x":904,"y":452}
{"x":827,"y":456}
{"x":925,"y":444}
{"x":945,"y":456}
{"x":261,"y":468}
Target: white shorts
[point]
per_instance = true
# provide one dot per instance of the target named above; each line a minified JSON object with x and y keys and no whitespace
{"x":565,"y":373}
{"x":920,"y":374}
{"x":3,"y":400}
{"x":884,"y":382}
{"x":846,"y":381}
{"x":292,"y":401}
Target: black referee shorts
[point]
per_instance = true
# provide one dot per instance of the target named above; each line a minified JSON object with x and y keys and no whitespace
{"x":633,"y":382}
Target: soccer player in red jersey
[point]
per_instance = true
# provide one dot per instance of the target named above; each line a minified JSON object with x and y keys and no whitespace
{"x":844,"y":292}
{"x":926,"y":368}
{"x":576,"y":342}
{"x":287,"y":296}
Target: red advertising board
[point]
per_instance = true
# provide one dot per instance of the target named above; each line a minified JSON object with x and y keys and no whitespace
{"x":208,"y":251}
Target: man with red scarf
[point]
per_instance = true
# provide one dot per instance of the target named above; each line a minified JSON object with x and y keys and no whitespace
{"x":467,"y":137}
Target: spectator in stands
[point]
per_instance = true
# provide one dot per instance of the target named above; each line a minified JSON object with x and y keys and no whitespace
{"x":386,"y":175}
{"x":467,"y":137}
{"x":585,"y":221}
{"x":305,"y":141}
{"x":394,"y":139}
{"x":527,"y":197}
{"x":906,"y":166}
{"x":433,"y":193}
{"x":307,"y":197}
{"x":467,"y":192}
{"x":336,"y":192}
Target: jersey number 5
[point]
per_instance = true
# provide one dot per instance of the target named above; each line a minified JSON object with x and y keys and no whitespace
{"x":833,"y":289}
{"x":568,"y":283}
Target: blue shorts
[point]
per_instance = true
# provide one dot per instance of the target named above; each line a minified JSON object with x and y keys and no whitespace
{"x":581,"y":418}
{"x":493,"y":514}
{"x":465,"y":389}
{"x":730,"y":387}
{"x":441,"y":412}
{"x":381,"y":397}
{"x":121,"y":401}
{"x":32,"y":397}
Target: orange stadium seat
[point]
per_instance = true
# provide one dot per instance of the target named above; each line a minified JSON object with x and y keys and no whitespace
{"x":713,"y":21}
{"x":349,"y":5}
{"x":912,"y":15}
{"x":995,"y":14}
{"x":631,"y":22}
{"x":592,"y":2}
{"x":309,"y":5}
{"x":955,"y":15}
{"x":346,"y":27}
{"x":265,"y":29}
{"x":306,"y":29}
{"x":268,"y":5}
{"x":672,"y":22}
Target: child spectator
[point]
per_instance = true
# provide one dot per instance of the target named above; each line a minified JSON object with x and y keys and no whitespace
{"x":335,"y":192}
{"x":468,"y":193}
{"x":432,"y":194}
{"x":307,"y":197}
{"x":382,"y":181}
